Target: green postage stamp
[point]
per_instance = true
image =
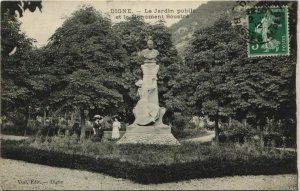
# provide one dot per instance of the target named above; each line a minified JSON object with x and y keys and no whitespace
{"x":268,"y":31}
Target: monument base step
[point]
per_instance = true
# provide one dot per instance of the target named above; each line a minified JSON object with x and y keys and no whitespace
{"x":148,"y":139}
{"x":152,"y":129}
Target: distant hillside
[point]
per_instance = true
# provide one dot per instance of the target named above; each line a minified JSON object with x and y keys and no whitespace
{"x":205,"y":15}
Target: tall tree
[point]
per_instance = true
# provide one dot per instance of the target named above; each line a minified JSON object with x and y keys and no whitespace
{"x":16,"y":88}
{"x":88,"y":59}
{"x":210,"y":57}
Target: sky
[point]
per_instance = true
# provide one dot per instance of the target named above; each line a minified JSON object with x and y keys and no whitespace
{"x":41,"y":25}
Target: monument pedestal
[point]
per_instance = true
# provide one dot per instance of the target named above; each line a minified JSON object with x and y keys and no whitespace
{"x":155,"y":134}
{"x":148,"y":127}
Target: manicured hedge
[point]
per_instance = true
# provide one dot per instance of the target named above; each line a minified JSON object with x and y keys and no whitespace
{"x":111,"y":167}
{"x":212,"y":167}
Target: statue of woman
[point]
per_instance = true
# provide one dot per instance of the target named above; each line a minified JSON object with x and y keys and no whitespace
{"x":145,"y":112}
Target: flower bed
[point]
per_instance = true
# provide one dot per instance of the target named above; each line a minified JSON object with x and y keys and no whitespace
{"x":153,"y":164}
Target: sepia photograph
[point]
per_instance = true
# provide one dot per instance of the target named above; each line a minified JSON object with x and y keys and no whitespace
{"x":149,"y":95}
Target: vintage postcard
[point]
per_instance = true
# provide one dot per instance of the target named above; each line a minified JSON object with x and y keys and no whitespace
{"x":149,"y":95}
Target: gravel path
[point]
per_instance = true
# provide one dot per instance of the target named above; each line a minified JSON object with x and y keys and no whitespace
{"x":22,"y":175}
{"x":12,"y":137}
{"x":206,"y":138}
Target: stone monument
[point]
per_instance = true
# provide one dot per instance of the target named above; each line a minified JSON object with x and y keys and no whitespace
{"x":148,"y":127}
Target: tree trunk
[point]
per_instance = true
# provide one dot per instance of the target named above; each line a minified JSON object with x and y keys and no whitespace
{"x":217,"y":131}
{"x":245,"y":123}
{"x":27,"y":116}
{"x":66,"y":120}
{"x":72,"y":118}
{"x":44,"y":118}
{"x":261,"y":135}
{"x":82,"y":124}
{"x":229,"y":123}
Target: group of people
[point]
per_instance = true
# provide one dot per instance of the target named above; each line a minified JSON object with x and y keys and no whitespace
{"x":98,"y":128}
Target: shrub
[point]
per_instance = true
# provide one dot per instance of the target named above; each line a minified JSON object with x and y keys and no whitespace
{"x":273,"y":139}
{"x":154,"y":163}
{"x":18,"y":118}
{"x":237,"y":132}
{"x":280,"y":133}
{"x":13,"y":123}
{"x":7,"y":126}
{"x":179,"y":124}
{"x":33,"y":126}
{"x":95,"y":138}
{"x":191,"y":133}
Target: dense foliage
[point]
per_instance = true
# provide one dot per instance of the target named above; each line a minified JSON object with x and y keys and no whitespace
{"x":87,"y":59}
{"x":222,"y":82}
{"x":17,"y":88}
{"x":20,"y":6}
{"x":90,"y":66}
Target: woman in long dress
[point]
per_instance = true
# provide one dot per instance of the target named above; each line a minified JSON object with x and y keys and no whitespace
{"x":115,"y":130}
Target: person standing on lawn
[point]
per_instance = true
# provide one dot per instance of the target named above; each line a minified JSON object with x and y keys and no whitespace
{"x":115,"y":130}
{"x":98,"y":129}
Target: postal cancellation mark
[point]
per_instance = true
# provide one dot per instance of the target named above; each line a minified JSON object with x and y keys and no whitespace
{"x":268,"y":31}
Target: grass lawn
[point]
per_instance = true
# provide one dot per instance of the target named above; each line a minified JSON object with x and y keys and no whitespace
{"x":153,"y":163}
